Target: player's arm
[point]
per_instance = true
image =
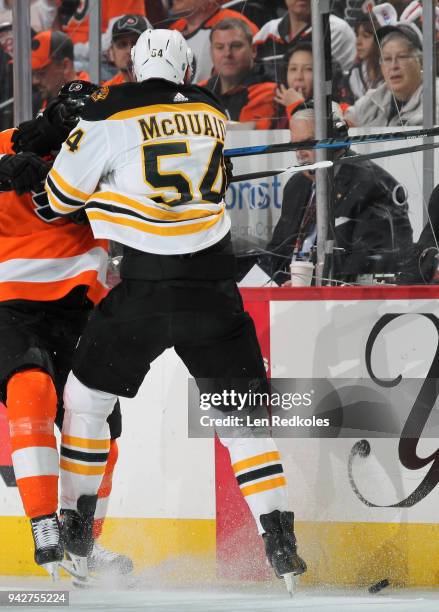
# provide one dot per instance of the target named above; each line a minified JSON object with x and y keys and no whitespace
{"x":20,"y":173}
{"x":78,"y":167}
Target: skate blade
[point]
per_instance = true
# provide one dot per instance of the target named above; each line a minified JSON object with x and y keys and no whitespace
{"x":77,"y":568}
{"x":52,"y":569}
{"x":291,"y":582}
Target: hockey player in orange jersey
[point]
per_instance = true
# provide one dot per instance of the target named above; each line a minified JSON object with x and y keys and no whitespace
{"x":52,"y":271}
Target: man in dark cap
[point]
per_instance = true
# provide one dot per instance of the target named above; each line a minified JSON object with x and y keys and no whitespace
{"x":52,"y":64}
{"x":126,"y":30}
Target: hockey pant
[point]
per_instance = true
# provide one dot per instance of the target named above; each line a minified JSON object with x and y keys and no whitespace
{"x":85,"y":447}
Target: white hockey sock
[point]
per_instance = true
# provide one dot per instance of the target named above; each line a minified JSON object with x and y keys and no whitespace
{"x":258,"y":469}
{"x":85,"y":441}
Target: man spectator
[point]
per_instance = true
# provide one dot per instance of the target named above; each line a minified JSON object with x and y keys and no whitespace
{"x":245,"y":91}
{"x":126,"y":30}
{"x":52,"y":64}
{"x":372,"y":229}
{"x":198,"y":19}
{"x":272,"y":40}
{"x":6,"y":90}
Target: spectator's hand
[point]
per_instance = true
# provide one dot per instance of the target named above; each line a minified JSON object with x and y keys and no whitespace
{"x":23,"y":172}
{"x":285,"y":96}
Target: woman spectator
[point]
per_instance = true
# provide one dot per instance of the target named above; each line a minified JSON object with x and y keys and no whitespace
{"x":366,"y":73}
{"x":296,"y":87}
{"x":398,"y":101}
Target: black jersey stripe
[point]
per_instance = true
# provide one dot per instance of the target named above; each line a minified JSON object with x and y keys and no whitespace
{"x":269,"y":470}
{"x":61,"y":196}
{"x":83,"y":456}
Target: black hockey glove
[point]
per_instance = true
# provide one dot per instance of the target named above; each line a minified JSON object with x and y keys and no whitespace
{"x":44,"y":134}
{"x":23,"y":172}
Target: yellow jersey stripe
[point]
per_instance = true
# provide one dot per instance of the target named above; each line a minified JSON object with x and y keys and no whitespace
{"x":86,"y":443}
{"x":86,"y":470}
{"x":148,"y":228}
{"x":256,"y":460}
{"x":265,"y":485}
{"x":171,"y":215}
{"x":191,"y":107}
{"x":63,"y":185}
{"x":55,"y":203}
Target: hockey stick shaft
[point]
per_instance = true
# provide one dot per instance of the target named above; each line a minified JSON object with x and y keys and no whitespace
{"x":336,"y":162}
{"x":331,"y":143}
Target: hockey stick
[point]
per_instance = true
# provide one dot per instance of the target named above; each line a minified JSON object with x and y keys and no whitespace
{"x":331,"y":143}
{"x":336,"y":162}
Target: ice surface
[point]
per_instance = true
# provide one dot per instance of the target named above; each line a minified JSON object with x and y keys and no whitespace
{"x":258,"y":597}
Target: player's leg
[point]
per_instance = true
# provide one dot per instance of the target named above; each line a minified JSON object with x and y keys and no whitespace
{"x":226,"y":354}
{"x":111,"y":360}
{"x":29,"y":393}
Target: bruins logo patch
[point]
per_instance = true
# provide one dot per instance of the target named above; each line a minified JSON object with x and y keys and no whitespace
{"x":100,"y":94}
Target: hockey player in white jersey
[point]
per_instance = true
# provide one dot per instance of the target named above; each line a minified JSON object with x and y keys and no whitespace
{"x":147,"y":162}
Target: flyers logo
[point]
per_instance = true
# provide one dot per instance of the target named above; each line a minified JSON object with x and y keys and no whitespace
{"x":100,"y":94}
{"x":42,"y":207}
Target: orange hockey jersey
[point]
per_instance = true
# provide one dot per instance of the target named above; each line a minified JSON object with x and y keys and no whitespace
{"x":78,"y":25}
{"x":43,"y":257}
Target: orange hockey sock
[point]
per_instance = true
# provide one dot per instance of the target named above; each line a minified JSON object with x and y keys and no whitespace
{"x":31,"y":408}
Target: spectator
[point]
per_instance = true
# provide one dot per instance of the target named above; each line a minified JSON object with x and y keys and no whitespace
{"x":52,"y":64}
{"x":273,"y":39}
{"x":244,"y":90}
{"x":398,"y":101}
{"x":366,"y":73}
{"x":370,"y":210}
{"x":42,"y":13}
{"x":200,"y":16}
{"x":126,"y":30}
{"x":74,"y":19}
{"x":297,"y":83}
{"x":6,"y":102}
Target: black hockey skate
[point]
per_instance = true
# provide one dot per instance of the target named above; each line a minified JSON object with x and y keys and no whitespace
{"x":280,"y":546}
{"x":49,"y":549}
{"x":77,"y":529}
{"x":104,"y":561}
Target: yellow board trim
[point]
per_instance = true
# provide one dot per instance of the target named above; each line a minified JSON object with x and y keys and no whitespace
{"x":86,"y":442}
{"x":85,"y":470}
{"x":256,"y":460}
{"x":171,"y":215}
{"x":191,"y":107}
{"x":149,"y":542}
{"x":143,"y":226}
{"x":337,"y":553}
{"x":76,"y":193}
{"x":265,"y":485}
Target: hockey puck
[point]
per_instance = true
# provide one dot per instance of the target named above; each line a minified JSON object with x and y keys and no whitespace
{"x":379,"y":586}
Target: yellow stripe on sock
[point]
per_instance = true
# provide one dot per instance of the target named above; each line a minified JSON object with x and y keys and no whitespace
{"x":256,"y":460}
{"x":86,"y":470}
{"x":86,"y":443}
{"x":265,"y":485}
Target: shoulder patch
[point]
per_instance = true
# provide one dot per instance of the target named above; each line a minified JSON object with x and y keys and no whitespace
{"x":100,"y":94}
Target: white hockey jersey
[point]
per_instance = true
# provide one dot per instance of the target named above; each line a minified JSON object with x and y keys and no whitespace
{"x":146,"y":161}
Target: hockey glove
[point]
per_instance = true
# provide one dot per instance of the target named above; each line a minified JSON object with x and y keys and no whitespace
{"x":46,"y":133}
{"x":23,"y":172}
